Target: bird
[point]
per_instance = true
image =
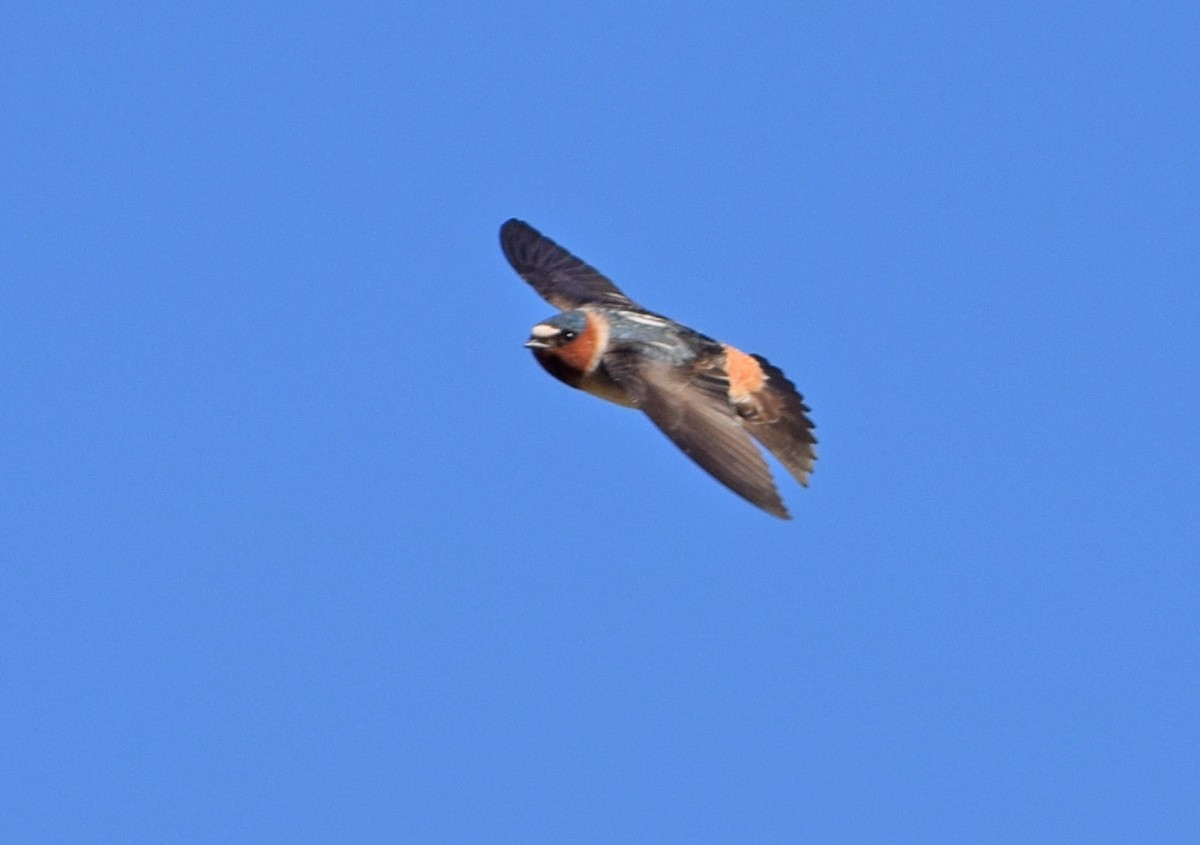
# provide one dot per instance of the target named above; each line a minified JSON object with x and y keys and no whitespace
{"x":711,"y":399}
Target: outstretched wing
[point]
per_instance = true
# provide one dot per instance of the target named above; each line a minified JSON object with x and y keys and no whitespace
{"x":691,"y":406}
{"x":559,"y":277}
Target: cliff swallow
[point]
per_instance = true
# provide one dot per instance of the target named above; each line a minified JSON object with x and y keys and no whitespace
{"x":707,"y":396}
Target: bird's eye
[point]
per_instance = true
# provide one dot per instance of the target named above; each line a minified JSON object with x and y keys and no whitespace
{"x":568,"y":336}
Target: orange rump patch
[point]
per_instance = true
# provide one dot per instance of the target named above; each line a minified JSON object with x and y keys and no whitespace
{"x":746,"y":377}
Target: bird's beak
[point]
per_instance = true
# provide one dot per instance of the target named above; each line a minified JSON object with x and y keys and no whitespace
{"x":536,"y":343}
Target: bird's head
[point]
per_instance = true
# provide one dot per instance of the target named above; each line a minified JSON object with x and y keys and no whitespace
{"x":558,"y":331}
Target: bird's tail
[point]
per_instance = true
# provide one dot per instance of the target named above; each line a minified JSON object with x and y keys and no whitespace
{"x":781,"y":424}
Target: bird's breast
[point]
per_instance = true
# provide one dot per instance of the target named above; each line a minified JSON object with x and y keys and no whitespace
{"x":598,"y":382}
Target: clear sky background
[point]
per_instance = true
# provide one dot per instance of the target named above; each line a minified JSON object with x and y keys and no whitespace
{"x":300,"y":545}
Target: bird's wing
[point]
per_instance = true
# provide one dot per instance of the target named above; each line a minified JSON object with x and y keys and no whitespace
{"x":690,"y":404}
{"x":558,"y":276}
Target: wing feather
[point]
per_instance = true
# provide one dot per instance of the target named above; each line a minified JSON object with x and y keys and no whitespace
{"x":559,"y":277}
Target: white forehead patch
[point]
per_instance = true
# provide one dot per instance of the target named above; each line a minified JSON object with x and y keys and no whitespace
{"x":543,"y":331}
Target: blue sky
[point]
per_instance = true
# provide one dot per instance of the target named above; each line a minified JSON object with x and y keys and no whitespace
{"x":301,"y":545}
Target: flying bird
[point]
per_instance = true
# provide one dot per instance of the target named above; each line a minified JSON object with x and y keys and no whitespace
{"x":707,"y":396}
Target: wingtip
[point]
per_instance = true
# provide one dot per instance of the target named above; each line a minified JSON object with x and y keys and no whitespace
{"x":513,"y":225}
{"x":517,"y":239}
{"x":767,"y":500}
